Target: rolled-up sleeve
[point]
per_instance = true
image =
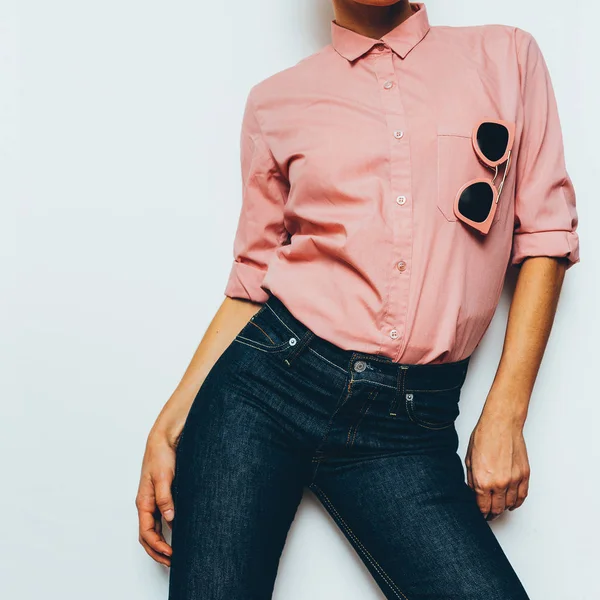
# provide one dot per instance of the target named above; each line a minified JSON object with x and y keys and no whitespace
{"x":545,"y":212}
{"x":260,"y":228}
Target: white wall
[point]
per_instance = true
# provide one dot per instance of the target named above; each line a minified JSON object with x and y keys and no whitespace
{"x":123,"y":119}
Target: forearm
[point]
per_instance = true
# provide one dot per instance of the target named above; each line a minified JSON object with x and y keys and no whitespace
{"x":530,"y":321}
{"x":229,"y":319}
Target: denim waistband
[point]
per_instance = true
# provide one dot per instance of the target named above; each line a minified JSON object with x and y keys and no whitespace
{"x":427,"y":377}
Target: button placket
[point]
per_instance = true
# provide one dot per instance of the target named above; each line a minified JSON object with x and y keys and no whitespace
{"x":401,"y":221}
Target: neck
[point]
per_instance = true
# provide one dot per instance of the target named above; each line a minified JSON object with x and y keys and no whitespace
{"x":371,"y":20}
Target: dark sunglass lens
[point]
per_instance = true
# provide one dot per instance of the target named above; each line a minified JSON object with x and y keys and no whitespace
{"x":476,"y":201}
{"x":493,"y":140}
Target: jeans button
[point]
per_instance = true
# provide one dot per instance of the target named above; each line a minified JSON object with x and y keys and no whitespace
{"x":360,"y":365}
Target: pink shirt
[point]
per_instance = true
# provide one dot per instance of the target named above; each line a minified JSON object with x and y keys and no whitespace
{"x":351,"y":160}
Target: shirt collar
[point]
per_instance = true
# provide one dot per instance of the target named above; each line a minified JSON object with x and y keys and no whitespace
{"x":402,"y":39}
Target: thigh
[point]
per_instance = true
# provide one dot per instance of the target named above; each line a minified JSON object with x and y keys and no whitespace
{"x":399,"y":495}
{"x":238,"y":482}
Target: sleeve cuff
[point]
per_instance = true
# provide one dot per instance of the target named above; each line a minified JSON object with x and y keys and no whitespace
{"x":245,"y":281}
{"x":545,"y":243}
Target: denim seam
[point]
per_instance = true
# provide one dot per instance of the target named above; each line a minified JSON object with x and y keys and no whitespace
{"x":282,"y":322}
{"x":310,"y":349}
{"x":344,"y":396}
{"x":302,"y":344}
{"x":360,"y":545}
{"x":398,"y":391}
{"x":266,"y":350}
{"x":326,"y":360}
{"x":261,"y":345}
{"x":363,"y":411}
{"x":370,"y":382}
{"x":259,"y":327}
{"x":372,"y":357}
{"x":422,"y":423}
{"x":435,"y":390}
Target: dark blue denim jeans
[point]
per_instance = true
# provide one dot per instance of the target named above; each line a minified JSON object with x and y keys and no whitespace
{"x":283,"y":409}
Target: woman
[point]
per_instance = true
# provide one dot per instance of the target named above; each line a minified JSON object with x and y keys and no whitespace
{"x":389,"y":179}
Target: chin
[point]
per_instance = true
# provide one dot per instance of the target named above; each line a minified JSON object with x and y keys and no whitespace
{"x":378,"y":2}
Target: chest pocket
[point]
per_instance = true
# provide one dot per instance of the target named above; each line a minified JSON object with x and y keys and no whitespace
{"x":457,"y":164}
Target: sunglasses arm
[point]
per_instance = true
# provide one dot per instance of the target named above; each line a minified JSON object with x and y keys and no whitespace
{"x":504,"y":176}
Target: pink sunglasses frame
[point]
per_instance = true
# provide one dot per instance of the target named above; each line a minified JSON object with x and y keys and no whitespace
{"x":484,"y":226}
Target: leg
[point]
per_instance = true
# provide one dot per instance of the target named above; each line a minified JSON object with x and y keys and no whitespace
{"x":397,"y":491}
{"x":238,"y":483}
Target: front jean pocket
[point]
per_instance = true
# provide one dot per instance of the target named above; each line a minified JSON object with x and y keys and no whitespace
{"x":266,"y":332}
{"x":433,"y":409}
{"x":457,"y":164}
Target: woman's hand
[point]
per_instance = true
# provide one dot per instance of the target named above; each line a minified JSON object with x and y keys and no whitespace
{"x":154,"y":499}
{"x":497,"y":464}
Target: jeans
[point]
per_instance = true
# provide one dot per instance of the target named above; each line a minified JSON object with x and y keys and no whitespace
{"x":283,"y":409}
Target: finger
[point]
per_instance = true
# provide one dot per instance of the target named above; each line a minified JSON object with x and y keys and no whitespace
{"x":470,"y":478}
{"x":164,"y":498}
{"x":149,"y":534}
{"x":148,"y":516}
{"x":498,"y":503}
{"x":157,"y":556}
{"x":522,"y":492}
{"x":512,"y":495}
{"x":484,"y":501}
{"x":158,"y":524}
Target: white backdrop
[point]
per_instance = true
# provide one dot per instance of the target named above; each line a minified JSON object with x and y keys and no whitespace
{"x":120,"y":192}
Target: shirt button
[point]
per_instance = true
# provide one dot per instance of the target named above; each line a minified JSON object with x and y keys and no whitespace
{"x":388,"y":84}
{"x":401,"y":200}
{"x":398,"y":134}
{"x":393,"y":334}
{"x":380,"y":47}
{"x":401,"y":265}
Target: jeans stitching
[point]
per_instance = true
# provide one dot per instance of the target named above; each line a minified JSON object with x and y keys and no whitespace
{"x":436,"y":390}
{"x":344,"y":396}
{"x":364,"y":410}
{"x":327,"y":361}
{"x":282,"y":322}
{"x":360,"y":545}
{"x":310,"y":349}
{"x":373,"y":357}
{"x":302,"y":344}
{"x":370,"y":382}
{"x":421,"y":422}
{"x":352,"y":427}
{"x":259,"y":327}
{"x":261,"y":345}
{"x":398,"y":391}
{"x":266,"y":351}
{"x":355,"y":355}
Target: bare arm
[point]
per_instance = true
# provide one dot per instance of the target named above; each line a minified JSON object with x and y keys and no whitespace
{"x":154,"y":497}
{"x":496,"y":460}
{"x":228,"y":321}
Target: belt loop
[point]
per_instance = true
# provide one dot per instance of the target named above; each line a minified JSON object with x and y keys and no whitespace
{"x":399,"y":392}
{"x":306,"y":338}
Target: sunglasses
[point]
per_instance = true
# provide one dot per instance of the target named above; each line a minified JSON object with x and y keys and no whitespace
{"x":477,"y":200}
